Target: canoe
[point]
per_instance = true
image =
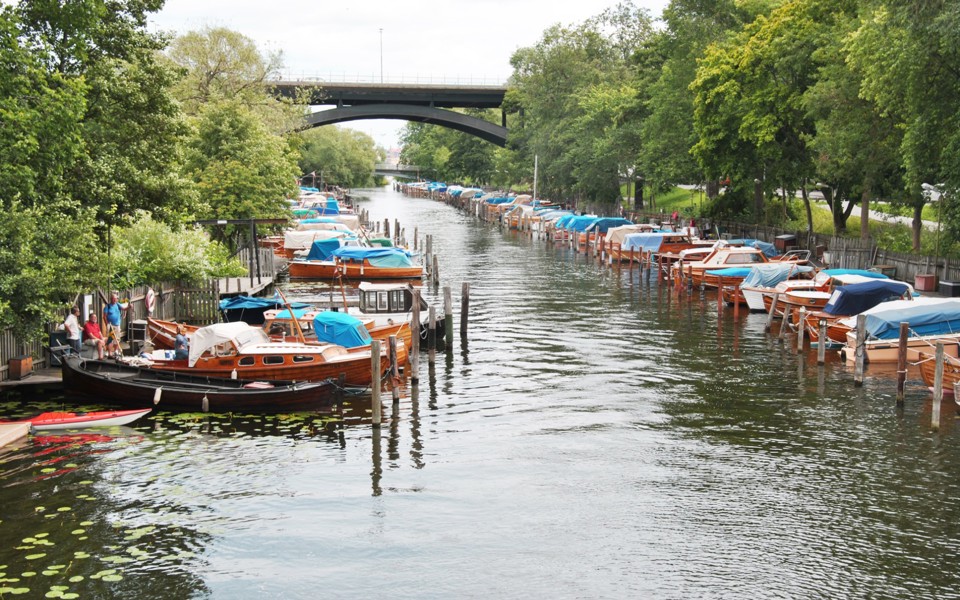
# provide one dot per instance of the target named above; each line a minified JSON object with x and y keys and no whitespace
{"x":50,"y":421}
{"x":136,"y":386}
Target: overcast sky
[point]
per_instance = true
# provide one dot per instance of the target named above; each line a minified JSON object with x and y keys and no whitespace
{"x":422,"y":40}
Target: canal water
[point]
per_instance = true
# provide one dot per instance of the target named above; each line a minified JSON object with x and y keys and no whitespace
{"x":596,"y":437}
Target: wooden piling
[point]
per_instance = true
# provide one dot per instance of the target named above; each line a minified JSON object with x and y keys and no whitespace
{"x":432,"y":337}
{"x":937,"y":389}
{"x":822,"y":344}
{"x":415,"y":339}
{"x":375,"y":407}
{"x":394,"y":368}
{"x":415,"y":235}
{"x":435,"y":271}
{"x":800,"y":328}
{"x":902,"y":361}
{"x":860,"y":351}
{"x":772,"y":313}
{"x":719,"y":294}
{"x":785,"y":322}
{"x":464,"y":309}
{"x":448,"y":315}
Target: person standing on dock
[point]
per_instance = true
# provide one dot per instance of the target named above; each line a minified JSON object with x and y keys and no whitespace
{"x":112,"y":317}
{"x":72,"y":326}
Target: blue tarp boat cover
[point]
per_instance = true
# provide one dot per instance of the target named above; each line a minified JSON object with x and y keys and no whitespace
{"x":563,"y":220}
{"x":499,"y":200}
{"x":861,"y":272}
{"x":855,"y":298}
{"x":768,"y":249}
{"x":323,"y":249}
{"x":580,"y":223}
{"x":770,"y":274}
{"x":925,"y":318}
{"x":730,"y":272}
{"x":340,"y":329}
{"x":319,"y":220}
{"x":378,"y":257}
{"x":250,"y":309}
{"x":605,"y":223}
{"x":643,"y":242}
{"x":285,"y":314}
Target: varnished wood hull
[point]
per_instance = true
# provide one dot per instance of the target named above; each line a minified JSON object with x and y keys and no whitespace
{"x":130,"y":386}
{"x":364,"y":271}
{"x":951,"y":371}
{"x":887,"y":351}
{"x":355,"y":366}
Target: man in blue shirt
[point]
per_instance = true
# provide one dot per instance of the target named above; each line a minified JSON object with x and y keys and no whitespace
{"x":112,"y":315}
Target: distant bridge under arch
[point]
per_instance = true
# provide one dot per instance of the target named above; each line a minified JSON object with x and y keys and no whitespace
{"x":410,"y":102}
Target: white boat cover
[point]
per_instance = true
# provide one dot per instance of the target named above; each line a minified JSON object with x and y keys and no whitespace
{"x":238,"y":333}
{"x":322,"y":227}
{"x":616,"y":234}
{"x":302,"y":240}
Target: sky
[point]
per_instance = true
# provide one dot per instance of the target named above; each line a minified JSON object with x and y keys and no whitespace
{"x":418,"y":41}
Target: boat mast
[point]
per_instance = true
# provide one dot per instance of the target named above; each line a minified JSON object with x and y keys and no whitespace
{"x":535,"y":157}
{"x":293,"y":317}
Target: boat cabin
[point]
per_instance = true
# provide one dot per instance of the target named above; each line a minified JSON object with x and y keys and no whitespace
{"x":378,"y":298}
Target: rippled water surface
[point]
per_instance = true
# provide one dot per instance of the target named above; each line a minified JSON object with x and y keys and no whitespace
{"x":597,"y":437}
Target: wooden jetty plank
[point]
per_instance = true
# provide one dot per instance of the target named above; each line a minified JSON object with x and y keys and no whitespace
{"x":12,"y":433}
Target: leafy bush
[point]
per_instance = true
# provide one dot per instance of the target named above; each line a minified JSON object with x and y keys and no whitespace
{"x":150,"y":251}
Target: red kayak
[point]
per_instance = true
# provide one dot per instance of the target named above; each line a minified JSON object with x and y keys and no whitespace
{"x":74,"y":420}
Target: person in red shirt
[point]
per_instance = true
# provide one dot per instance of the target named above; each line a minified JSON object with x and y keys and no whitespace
{"x":92,"y":335}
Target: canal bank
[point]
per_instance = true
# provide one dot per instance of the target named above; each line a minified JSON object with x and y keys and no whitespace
{"x":596,"y":436}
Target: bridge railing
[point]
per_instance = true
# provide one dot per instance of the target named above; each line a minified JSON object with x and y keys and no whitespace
{"x":388,"y":166}
{"x":403,"y":79}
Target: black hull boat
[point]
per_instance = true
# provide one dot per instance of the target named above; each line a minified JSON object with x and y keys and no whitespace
{"x":134,"y":386}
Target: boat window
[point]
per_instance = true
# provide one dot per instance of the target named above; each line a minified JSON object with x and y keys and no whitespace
{"x":742,"y":258}
{"x":395,"y":301}
{"x":273,"y":360}
{"x":382,"y":303}
{"x":301,"y":358}
{"x":246,"y":361}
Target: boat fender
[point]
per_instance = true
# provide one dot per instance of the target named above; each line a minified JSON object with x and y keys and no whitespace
{"x":156,"y":395}
{"x":843,"y":356}
{"x":205,"y":404}
{"x":233,"y":375}
{"x":150,"y":300}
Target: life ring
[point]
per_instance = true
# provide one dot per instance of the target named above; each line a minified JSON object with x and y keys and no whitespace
{"x":150,"y":300}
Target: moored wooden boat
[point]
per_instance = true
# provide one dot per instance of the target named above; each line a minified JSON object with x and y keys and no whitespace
{"x":53,"y":421}
{"x":358,"y":263}
{"x":930,"y":320}
{"x":132,"y":385}
{"x":245,"y":352}
{"x":927,"y":364}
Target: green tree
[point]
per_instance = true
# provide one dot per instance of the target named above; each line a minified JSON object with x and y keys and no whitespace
{"x":241,"y":170}
{"x":339,"y":156}
{"x":131,"y":128}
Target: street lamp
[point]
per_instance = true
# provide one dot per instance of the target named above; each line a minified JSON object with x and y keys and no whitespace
{"x":381,"y":55}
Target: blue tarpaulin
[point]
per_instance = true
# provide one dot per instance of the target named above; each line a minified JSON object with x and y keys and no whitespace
{"x":340,"y":329}
{"x":925,"y":318}
{"x":855,"y":298}
{"x":605,"y":223}
{"x":861,"y":272}
{"x":730,"y":272}
{"x":769,"y":275}
{"x":323,"y":249}
{"x":378,"y":257}
{"x":581,"y":223}
{"x":250,"y":309}
{"x":643,"y":242}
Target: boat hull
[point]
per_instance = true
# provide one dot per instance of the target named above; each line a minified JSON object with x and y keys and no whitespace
{"x":357,"y":271}
{"x":59,"y":421}
{"x":131,"y":386}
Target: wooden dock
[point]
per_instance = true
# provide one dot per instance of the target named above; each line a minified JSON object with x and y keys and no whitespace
{"x":13,"y":433}
{"x":243,"y":286}
{"x":47,"y":377}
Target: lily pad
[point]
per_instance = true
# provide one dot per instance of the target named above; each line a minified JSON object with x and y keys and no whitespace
{"x":112,"y":577}
{"x":76,"y":579}
{"x":28,"y":574}
{"x":81,"y":555}
{"x":35,"y":556}
{"x":78,"y":531}
{"x":64,"y":509}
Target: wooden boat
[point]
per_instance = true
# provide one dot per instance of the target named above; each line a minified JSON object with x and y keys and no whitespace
{"x":52,"y":421}
{"x":931,"y":320}
{"x":927,"y":363}
{"x":358,"y":263}
{"x":246,"y":352}
{"x":281,"y":320}
{"x":133,"y":385}
{"x":849,"y":300}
